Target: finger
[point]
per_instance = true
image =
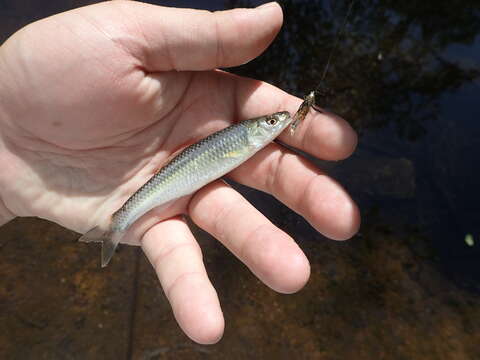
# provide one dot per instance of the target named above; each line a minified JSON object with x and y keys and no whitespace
{"x":323,"y":135}
{"x":172,"y":250}
{"x":187,"y":39}
{"x":5,"y":214}
{"x":302,"y":187}
{"x":268,"y":252}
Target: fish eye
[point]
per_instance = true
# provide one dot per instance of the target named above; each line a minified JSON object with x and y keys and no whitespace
{"x":271,"y":121}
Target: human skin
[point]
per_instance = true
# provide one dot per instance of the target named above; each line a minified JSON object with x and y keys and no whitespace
{"x":94,"y":100}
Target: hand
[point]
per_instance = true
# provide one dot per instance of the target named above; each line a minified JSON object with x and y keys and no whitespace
{"x":94,"y":100}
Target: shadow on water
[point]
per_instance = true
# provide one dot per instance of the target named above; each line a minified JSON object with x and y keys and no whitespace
{"x":407,"y":78}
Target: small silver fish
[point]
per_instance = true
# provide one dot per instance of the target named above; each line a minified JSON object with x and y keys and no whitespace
{"x":194,"y":167}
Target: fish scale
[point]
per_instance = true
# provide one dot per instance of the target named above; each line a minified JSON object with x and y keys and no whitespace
{"x":191,"y":169}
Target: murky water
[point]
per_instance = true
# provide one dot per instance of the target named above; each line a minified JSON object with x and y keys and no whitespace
{"x":407,"y":77}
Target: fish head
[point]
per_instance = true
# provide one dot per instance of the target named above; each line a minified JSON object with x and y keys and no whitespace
{"x":264,"y":129}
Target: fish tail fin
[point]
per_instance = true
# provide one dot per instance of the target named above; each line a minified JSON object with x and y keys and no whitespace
{"x":96,"y":234}
{"x":108,"y":238}
{"x":109,"y":245}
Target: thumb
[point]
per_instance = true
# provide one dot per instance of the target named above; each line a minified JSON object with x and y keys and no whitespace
{"x":187,"y":39}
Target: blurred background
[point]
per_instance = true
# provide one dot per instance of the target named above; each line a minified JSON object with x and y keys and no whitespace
{"x":406,"y":75}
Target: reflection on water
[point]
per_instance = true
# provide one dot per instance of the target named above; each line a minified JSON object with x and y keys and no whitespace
{"x":406,"y":75}
{"x":407,"y":78}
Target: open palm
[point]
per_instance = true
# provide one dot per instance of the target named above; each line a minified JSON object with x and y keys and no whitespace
{"x":92,"y":103}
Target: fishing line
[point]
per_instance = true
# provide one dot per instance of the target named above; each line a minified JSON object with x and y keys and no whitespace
{"x":340,"y":31}
{"x":309,"y":101}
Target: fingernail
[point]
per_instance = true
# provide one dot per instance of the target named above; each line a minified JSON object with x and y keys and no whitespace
{"x":267,"y":5}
